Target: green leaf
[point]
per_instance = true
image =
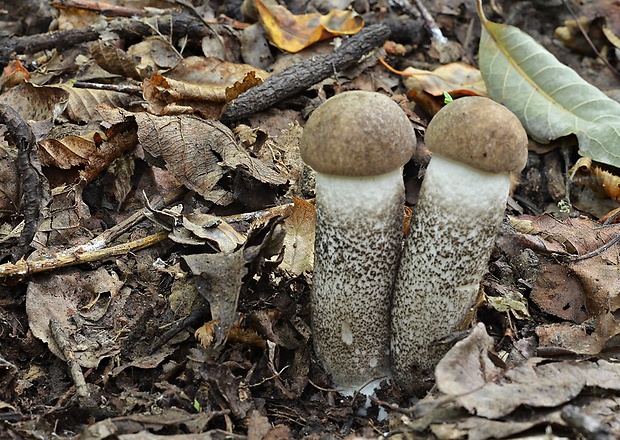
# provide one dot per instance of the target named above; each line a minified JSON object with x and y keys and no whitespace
{"x":549,"y":98}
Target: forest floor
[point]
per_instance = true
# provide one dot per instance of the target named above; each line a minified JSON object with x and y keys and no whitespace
{"x":159,"y":285}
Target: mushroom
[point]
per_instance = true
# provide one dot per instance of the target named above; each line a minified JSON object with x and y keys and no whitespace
{"x":357,"y":142}
{"x":476,"y":144}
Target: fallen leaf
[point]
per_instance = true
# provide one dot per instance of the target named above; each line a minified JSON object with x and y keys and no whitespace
{"x":538,"y":383}
{"x":589,"y":286}
{"x":299,"y":239}
{"x":293,"y":33}
{"x":550,"y":99}
{"x":447,"y":78}
{"x":199,"y":153}
{"x":588,"y":338}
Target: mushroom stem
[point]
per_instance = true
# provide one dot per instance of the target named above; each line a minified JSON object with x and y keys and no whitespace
{"x":357,"y":142}
{"x":446,"y":252}
{"x":356,"y":255}
{"x":476,"y":144}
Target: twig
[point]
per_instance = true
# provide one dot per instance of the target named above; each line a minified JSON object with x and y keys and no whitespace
{"x":24,"y":268}
{"x":121,"y":88}
{"x":595,"y":252}
{"x":176,"y":24}
{"x":302,"y":75}
{"x":589,"y":40}
{"x":61,"y":339}
{"x":32,"y":179}
{"x":430,"y":23}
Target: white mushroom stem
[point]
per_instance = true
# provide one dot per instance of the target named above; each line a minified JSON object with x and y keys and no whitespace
{"x":357,"y":142}
{"x":446,"y":253}
{"x":359,"y":227}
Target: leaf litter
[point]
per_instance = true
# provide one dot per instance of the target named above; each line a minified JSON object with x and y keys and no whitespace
{"x":184,"y":314}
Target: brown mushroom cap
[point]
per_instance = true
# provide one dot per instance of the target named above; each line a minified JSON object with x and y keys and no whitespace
{"x":480,"y":133}
{"x":357,"y":133}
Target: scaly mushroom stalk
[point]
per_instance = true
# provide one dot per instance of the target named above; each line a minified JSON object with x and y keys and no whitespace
{"x":357,"y":142}
{"x":476,"y":144}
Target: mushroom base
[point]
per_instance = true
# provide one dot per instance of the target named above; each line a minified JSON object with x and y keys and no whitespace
{"x":446,"y":253}
{"x":354,"y":275}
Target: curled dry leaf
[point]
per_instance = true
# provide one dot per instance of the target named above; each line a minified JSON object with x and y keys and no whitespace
{"x":114,"y":60}
{"x":199,"y":153}
{"x":73,"y":157}
{"x":196,"y":229}
{"x":197,"y":85}
{"x":601,"y":181}
{"x":447,"y":78}
{"x":13,"y":74}
{"x":293,"y":33}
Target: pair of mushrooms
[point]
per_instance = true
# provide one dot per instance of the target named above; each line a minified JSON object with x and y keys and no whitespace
{"x":378,"y":308}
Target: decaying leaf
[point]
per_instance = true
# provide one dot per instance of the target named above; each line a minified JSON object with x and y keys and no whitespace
{"x":199,"y":153}
{"x":447,"y":78}
{"x":487,"y":391}
{"x":299,"y":239}
{"x":9,"y":181}
{"x":588,"y":338}
{"x":13,"y":74}
{"x":71,"y":298}
{"x":196,"y":85}
{"x":69,"y":158}
{"x":114,"y":60}
{"x":550,"y":99}
{"x":220,"y":277}
{"x":250,"y":80}
{"x":597,"y":276}
{"x":296,"y":32}
{"x":84,"y":104}
{"x":601,"y":181}
{"x":196,"y":228}
{"x":512,"y":302}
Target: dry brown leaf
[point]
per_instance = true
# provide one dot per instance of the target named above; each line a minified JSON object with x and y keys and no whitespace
{"x":559,"y":293}
{"x":578,"y":339}
{"x":250,"y":80}
{"x":196,"y":85}
{"x":487,"y":391}
{"x":10,"y":194}
{"x":36,"y":103}
{"x":65,"y":293}
{"x":601,"y":181}
{"x":198,"y":153}
{"x":597,"y":277}
{"x":197,"y":229}
{"x":65,"y":215}
{"x":13,"y":74}
{"x":220,"y":277}
{"x":451,"y":78}
{"x":299,"y":238}
{"x":73,"y":157}
{"x":85,"y":104}
{"x":114,"y":60}
{"x":293,"y":33}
